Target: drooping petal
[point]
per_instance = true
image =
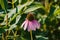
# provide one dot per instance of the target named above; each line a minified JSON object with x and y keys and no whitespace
{"x":34,"y":25}
{"x":37,"y":24}
{"x":23,"y":24}
{"x":31,"y":26}
{"x":26,"y":24}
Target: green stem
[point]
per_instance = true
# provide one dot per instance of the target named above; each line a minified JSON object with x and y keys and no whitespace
{"x":13,"y":18}
{"x":6,"y":36}
{"x":15,"y":35}
{"x":2,"y":36}
{"x":46,"y":5}
{"x":31,"y":35}
{"x":12,"y":4}
{"x":44,"y":27}
{"x":28,"y":0}
{"x":6,"y":19}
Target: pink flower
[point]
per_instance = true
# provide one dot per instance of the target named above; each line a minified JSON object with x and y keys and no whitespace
{"x":30,"y":23}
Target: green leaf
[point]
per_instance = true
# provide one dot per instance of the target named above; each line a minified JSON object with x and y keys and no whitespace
{"x":57,"y":12}
{"x":24,"y":5}
{"x":11,"y":19}
{"x":17,"y":19}
{"x":40,"y":37}
{"x":1,"y":19}
{"x":2,"y":30}
{"x":12,"y":26}
{"x":55,"y":0}
{"x":23,"y":16}
{"x":3,"y":4}
{"x":20,"y":1}
{"x":3,"y":23}
{"x":13,"y":11}
{"x":14,"y":1}
{"x":34,"y":7}
{"x":52,"y":9}
{"x":58,"y":16}
{"x":20,"y":7}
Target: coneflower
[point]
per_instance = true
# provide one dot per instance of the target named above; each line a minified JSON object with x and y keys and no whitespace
{"x":30,"y":24}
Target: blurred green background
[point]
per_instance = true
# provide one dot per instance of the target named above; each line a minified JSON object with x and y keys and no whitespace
{"x":14,"y":12}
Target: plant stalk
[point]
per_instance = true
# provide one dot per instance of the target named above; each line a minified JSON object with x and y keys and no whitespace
{"x":47,"y":5}
{"x":6,"y":36}
{"x":2,"y":36}
{"x":31,"y":35}
{"x":12,"y":4}
{"x":6,"y":19}
{"x":15,"y":35}
{"x":44,"y":27}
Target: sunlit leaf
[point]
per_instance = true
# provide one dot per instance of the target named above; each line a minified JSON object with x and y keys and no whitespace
{"x":34,"y":7}
{"x":57,"y":12}
{"x":12,"y":26}
{"x":40,"y":37}
{"x":13,"y":1}
{"x":23,"y":16}
{"x":13,"y":11}
{"x":20,"y":1}
{"x":2,"y":15}
{"x":55,"y":0}
{"x":58,"y":16}
{"x":17,"y":19}
{"x":3,"y":23}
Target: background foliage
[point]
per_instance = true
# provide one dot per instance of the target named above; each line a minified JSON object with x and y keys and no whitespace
{"x":13,"y":13}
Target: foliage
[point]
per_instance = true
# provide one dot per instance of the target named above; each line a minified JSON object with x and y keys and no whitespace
{"x":48,"y":18}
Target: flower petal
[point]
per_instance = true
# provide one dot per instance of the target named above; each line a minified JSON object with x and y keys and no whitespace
{"x":26,"y":24}
{"x":31,"y":26}
{"x":37,"y":24}
{"x":23,"y":24}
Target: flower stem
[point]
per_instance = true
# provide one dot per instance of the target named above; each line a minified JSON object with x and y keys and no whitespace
{"x":31,"y":35}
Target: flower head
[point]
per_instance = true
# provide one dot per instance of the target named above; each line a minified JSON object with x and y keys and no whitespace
{"x":30,"y":23}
